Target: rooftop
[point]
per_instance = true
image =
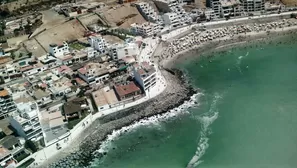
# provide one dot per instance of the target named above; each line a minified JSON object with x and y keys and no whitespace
{"x":3,"y":152}
{"x":9,"y":141}
{"x":123,"y":90}
{"x":5,"y":127}
{"x":4,"y":93}
{"x":104,"y":96}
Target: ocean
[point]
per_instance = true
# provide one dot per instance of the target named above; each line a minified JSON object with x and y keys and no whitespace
{"x":246,"y":116}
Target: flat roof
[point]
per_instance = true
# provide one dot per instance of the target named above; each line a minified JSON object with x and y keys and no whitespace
{"x":4,"y":93}
{"x":123,"y":90}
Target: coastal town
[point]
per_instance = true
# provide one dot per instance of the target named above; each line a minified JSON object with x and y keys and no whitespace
{"x":65,"y":67}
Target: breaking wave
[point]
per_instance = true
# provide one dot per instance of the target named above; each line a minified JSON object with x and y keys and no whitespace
{"x":238,"y":62}
{"x":182,"y":109}
{"x":206,"y":120}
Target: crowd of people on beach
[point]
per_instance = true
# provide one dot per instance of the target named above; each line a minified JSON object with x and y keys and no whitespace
{"x":201,"y":36}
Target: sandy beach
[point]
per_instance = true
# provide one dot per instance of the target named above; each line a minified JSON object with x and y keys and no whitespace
{"x":224,"y":43}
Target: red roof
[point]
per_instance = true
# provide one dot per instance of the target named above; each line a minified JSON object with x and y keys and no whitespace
{"x":63,"y":68}
{"x":123,"y":90}
{"x":26,"y":68}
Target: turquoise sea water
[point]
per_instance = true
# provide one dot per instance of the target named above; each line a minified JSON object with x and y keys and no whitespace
{"x":247,"y":117}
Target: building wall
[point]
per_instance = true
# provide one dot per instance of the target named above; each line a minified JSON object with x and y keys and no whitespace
{"x":55,"y":51}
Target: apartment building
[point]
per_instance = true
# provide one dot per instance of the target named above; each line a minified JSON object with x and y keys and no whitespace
{"x":94,"y":73}
{"x":98,"y":43}
{"x":171,"y":19}
{"x":145,"y":29}
{"x":147,"y":11}
{"x":58,"y":50}
{"x":6,"y":158}
{"x":26,"y":122}
{"x":145,"y":75}
{"x":129,"y":48}
{"x":230,"y":8}
{"x":215,"y":5}
{"x":7,"y":105}
{"x":174,"y":6}
{"x":10,"y":72}
{"x":251,"y":6}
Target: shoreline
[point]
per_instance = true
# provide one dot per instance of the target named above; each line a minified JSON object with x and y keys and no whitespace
{"x":178,"y":92}
{"x":222,"y":44}
{"x":132,"y":115}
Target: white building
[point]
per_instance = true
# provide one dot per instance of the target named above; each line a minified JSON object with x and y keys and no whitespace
{"x":147,"y":11}
{"x":6,"y":158}
{"x":10,"y":72}
{"x":98,"y":43}
{"x":58,"y":50}
{"x":145,"y":29}
{"x":94,"y":73}
{"x":26,"y":123}
{"x":145,"y":75}
{"x":119,"y":51}
{"x":7,"y":105}
{"x":251,"y":6}
{"x":171,"y":19}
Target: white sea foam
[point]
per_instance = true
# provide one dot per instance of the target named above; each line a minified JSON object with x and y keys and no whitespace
{"x":104,"y":147}
{"x":206,"y":120}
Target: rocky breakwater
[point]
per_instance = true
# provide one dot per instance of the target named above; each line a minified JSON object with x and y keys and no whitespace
{"x":177,"y":92}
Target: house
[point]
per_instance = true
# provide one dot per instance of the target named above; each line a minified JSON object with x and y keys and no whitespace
{"x":5,"y":128}
{"x":104,"y":98}
{"x":26,"y":122}
{"x":145,"y":75}
{"x":74,"y":108}
{"x":10,"y":72}
{"x":129,"y":48}
{"x":7,"y":105}
{"x":171,"y":19}
{"x":62,"y":71}
{"x":61,"y":87}
{"x":127,"y":91}
{"x":94,"y":73}
{"x":98,"y":43}
{"x":58,"y":50}
{"x":15,"y":145}
{"x":53,"y":124}
{"x":145,"y":29}
{"x":6,"y":158}
{"x":41,"y":96}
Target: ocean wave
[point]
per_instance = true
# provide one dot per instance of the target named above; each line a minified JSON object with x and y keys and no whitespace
{"x":106,"y":145}
{"x":206,"y":120}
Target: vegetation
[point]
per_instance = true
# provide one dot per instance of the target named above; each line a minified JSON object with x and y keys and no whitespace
{"x":27,"y":163}
{"x":76,"y":46}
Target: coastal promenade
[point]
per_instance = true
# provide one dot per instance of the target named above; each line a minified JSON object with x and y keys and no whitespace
{"x":146,"y":54}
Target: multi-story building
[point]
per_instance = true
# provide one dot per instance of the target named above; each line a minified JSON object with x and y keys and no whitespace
{"x":215,"y":5}
{"x":26,"y":122}
{"x":251,"y":6}
{"x":171,"y":19}
{"x":94,"y":73}
{"x":6,"y":158}
{"x":98,"y":43}
{"x":145,"y":29}
{"x":7,"y":105}
{"x":230,"y":8}
{"x":58,"y":50}
{"x":145,"y":75}
{"x":10,"y":72}
{"x":129,"y":48}
{"x":147,"y":11}
{"x":174,"y":6}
